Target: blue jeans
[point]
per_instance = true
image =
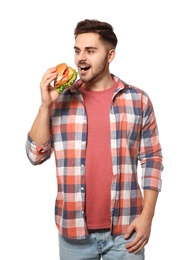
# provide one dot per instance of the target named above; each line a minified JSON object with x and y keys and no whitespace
{"x":97,"y":245}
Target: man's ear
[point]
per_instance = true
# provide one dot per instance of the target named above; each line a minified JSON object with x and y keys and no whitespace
{"x":111,"y":55}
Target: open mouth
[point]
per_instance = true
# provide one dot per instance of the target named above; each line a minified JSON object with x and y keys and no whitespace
{"x":84,"y":68}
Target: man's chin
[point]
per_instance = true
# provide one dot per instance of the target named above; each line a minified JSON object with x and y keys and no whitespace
{"x":85,"y":79}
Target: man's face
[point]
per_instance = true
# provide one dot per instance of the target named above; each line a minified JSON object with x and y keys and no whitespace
{"x":91,"y":57}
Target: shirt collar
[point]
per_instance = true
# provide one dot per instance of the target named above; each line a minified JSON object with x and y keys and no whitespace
{"x":120,"y":84}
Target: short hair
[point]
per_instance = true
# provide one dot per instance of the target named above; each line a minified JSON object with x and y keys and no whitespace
{"x":103,"y":29}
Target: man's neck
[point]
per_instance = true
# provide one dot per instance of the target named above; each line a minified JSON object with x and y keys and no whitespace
{"x":100,"y":85}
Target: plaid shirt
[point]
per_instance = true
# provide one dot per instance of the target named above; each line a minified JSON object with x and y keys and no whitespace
{"x":134,"y":136}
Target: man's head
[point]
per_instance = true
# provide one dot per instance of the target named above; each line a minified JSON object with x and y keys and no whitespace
{"x":95,"y":44}
{"x":103,"y":29}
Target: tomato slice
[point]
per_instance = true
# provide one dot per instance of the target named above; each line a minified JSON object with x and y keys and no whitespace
{"x":65,"y":73}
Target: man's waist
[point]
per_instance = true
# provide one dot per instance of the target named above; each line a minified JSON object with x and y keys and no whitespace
{"x":98,"y":230}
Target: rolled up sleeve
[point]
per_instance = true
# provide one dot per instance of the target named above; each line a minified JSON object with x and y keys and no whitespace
{"x":150,"y":155}
{"x":36,"y":153}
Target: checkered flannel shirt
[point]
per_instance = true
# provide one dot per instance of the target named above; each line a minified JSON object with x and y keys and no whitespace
{"x":134,"y":137}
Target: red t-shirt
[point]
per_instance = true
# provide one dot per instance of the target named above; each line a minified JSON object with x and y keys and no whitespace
{"x":98,"y":158}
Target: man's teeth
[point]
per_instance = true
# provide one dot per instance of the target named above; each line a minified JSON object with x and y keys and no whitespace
{"x":84,"y":68}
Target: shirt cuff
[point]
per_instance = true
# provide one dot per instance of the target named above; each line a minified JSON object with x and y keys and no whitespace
{"x":39,"y":148}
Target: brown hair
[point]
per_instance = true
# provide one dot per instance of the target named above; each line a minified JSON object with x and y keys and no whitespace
{"x":105,"y":30}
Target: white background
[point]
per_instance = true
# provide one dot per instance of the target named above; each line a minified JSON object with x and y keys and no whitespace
{"x":36,"y":35}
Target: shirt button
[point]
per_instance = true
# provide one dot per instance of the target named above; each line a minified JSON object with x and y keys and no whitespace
{"x":82,"y":188}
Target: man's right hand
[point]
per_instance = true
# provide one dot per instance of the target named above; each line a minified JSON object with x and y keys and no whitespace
{"x":48,"y":93}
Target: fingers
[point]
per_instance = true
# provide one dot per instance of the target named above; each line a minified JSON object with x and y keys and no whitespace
{"x":48,"y":93}
{"x":137,"y":243}
{"x":129,"y":231}
{"x":47,"y":78}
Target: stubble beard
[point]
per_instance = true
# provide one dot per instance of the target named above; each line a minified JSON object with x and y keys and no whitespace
{"x":98,"y":72}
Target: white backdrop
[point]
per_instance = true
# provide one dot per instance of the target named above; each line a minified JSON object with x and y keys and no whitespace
{"x":36,"y":35}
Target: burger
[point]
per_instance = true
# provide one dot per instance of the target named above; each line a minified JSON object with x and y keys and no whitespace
{"x":65,"y":78}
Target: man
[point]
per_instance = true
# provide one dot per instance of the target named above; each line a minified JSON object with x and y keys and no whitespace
{"x":98,"y":129}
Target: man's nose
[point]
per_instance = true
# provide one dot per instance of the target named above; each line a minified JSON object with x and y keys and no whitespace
{"x":82,"y":56}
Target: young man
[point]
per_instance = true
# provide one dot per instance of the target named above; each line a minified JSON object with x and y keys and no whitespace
{"x":98,"y":129}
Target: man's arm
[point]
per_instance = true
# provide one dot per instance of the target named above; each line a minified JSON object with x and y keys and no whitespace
{"x":142,"y":224}
{"x":38,"y":145}
{"x":150,"y":157}
{"x":40,"y":132}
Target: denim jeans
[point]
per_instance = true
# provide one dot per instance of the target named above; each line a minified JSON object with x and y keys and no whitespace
{"x":97,"y":246}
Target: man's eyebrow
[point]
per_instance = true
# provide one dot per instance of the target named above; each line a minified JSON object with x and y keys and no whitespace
{"x":87,"y":48}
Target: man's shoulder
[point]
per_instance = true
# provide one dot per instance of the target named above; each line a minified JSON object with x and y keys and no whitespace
{"x":129,"y":88}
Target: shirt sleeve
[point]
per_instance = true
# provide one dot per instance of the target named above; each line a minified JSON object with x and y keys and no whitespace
{"x":150,"y":153}
{"x":36,"y":153}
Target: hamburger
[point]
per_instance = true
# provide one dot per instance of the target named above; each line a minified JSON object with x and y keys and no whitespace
{"x":65,"y":78}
